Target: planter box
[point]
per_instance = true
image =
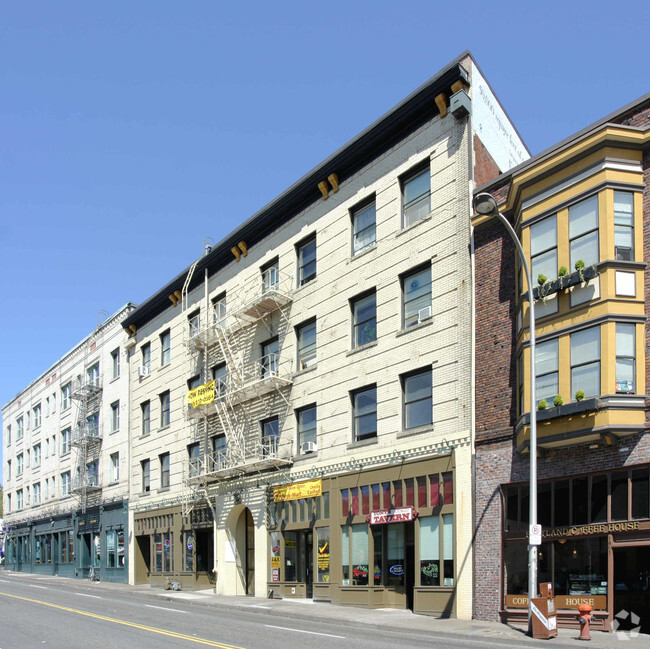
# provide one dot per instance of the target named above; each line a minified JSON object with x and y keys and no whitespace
{"x":562,"y":283}
{"x":565,"y":410}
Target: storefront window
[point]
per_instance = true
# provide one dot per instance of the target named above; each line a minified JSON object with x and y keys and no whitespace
{"x":275,"y":556}
{"x":395,"y":555}
{"x":37,"y":550}
{"x":448,"y":549}
{"x":516,"y":566}
{"x":111,"y":549}
{"x":163,"y":551}
{"x":378,"y":543}
{"x":430,"y":551}
{"x":599,"y":499}
{"x":290,"y":556}
{"x":640,"y":493}
{"x":619,"y":496}
{"x":360,"y":554}
{"x":188,"y":551}
{"x":581,"y":567}
{"x":323,"y":540}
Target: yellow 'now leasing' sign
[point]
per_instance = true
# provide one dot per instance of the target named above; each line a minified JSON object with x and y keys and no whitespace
{"x":298,"y":490}
{"x":202,"y":395}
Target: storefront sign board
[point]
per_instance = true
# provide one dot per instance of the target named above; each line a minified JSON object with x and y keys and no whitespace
{"x":310,"y":489}
{"x":401,"y":515}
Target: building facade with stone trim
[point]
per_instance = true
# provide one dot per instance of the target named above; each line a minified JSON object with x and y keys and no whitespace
{"x":301,"y":396}
{"x":66,"y":458}
{"x":581,"y":210}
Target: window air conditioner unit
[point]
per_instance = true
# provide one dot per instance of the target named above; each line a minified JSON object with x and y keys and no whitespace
{"x":424,"y":314}
{"x":308,"y":447}
{"x":143,"y":370}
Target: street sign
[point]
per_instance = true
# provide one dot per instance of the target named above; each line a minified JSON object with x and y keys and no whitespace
{"x":535,"y":535}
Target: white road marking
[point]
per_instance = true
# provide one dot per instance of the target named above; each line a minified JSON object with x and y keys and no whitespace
{"x":85,"y":595}
{"x":163,"y":608}
{"x":35,"y":586}
{"x":285,"y":628}
{"x":5,"y":581}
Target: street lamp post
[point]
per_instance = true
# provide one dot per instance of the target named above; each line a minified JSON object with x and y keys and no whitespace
{"x":486,"y":205}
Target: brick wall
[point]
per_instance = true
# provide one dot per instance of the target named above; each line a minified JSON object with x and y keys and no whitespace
{"x":485,"y":168}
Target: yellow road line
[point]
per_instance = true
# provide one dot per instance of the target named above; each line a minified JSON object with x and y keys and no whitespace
{"x":151,"y":629}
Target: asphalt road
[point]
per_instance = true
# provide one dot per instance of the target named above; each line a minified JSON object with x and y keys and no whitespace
{"x":53,"y":613}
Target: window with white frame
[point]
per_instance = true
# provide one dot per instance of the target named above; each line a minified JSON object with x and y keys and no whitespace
{"x":47,"y":406}
{"x":165,"y":404}
{"x":306,"y":338}
{"x":92,"y":425}
{"x":364,"y":234}
{"x":36,"y":455}
{"x":416,"y":296}
{"x":92,"y":375}
{"x":547,"y":362}
{"x":624,"y":225}
{"x":66,"y":440}
{"x":165,"y":347}
{"x":115,"y":467}
{"x":270,"y":275}
{"x":194,"y":458}
{"x":53,"y":447}
{"x":8,"y":435}
{"x":46,"y":490}
{"x":115,"y":363}
{"x":543,"y":249}
{"x":306,"y":425}
{"x":19,"y":499}
{"x":8,"y":503}
{"x":270,"y":436}
{"x":219,"y":310}
{"x":625,"y":357}
{"x":8,"y":469}
{"x":53,"y":401}
{"x":364,"y":413}
{"x":417,"y":388}
{"x":364,"y":319}
{"x":194,"y":323}
{"x":19,"y":428}
{"x":145,"y":411}
{"x":416,"y":195}
{"x":36,"y":493}
{"x":164,"y":470}
{"x":145,"y":351}
{"x":306,"y":251}
{"x":269,"y":357}
{"x":65,"y":483}
{"x":115,"y":416}
{"x":583,"y":231}
{"x":37,"y":415}
{"x":66,"y":392}
{"x":585,"y":361}
{"x":219,"y":374}
{"x":145,"y":466}
{"x":92,"y":473}
{"x":19,"y":464}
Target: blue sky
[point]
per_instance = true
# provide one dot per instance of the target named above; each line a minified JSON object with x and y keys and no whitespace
{"x":131,"y":131}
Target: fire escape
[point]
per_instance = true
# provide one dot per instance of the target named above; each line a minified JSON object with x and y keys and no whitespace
{"x":249,"y":379}
{"x":86,"y":437}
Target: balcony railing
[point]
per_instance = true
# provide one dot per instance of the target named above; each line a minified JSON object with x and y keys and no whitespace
{"x":86,"y":483}
{"x":86,"y":433}
{"x":86,"y":387}
{"x":254,"y":300}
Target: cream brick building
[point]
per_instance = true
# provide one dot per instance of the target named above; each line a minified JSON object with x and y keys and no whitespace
{"x":301,"y":396}
{"x":66,"y":449}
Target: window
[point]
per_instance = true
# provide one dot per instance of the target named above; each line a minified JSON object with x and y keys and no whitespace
{"x":194,"y":323}
{"x":546,"y":370}
{"x":306,"y":260}
{"x":53,"y":444}
{"x":19,"y":499}
{"x":115,"y":416}
{"x":92,"y":375}
{"x":19,"y":428}
{"x":364,"y":319}
{"x":115,"y":548}
{"x":37,"y":415}
{"x":36,"y":454}
{"x":145,"y":410}
{"x":8,"y":435}
{"x":194,"y":455}
{"x":418,"y":399}
{"x":585,"y":361}
{"x":364,"y":413}
{"x":8,"y":503}
{"x":47,"y":407}
{"x":19,"y":464}
{"x":164,"y":409}
{"x":269,"y":360}
{"x":306,"y":425}
{"x":115,"y":363}
{"x":416,"y":295}
{"x":271,"y":275}
{"x":543,"y":249}
{"x":416,"y":194}
{"x":165,"y":347}
{"x":219,"y":309}
{"x":625,"y":357}
{"x":92,"y":425}
{"x":145,"y":350}
{"x":66,"y":392}
{"x":270,"y":436}
{"x":36,"y":493}
{"x":115,"y":467}
{"x":583,"y":231}
{"x":146,"y":475}
{"x":53,"y":403}
{"x":363,"y":227}
{"x":306,"y":335}
{"x":218,"y":446}
{"x":92,"y":473}
{"x":8,"y":469}
{"x":164,"y":470}
{"x":65,"y":484}
{"x":66,"y":440}
{"x":193,"y":382}
{"x":624,"y":225}
{"x":219,"y":374}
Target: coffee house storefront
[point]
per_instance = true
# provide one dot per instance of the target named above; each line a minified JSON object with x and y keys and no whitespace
{"x":595,"y":548}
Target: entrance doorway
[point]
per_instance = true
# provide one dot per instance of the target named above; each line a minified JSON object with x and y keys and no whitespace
{"x":632,"y":588}
{"x":250,"y":554}
{"x":204,"y":552}
{"x":395,"y":548}
{"x":143,"y":559}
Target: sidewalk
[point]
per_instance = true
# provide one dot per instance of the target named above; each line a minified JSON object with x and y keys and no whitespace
{"x":396,"y":619}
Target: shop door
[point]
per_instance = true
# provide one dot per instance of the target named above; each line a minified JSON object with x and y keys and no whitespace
{"x":306,"y":566}
{"x":632,"y":588}
{"x":250,"y":554}
{"x":143,"y":559}
{"x":400,"y":564}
